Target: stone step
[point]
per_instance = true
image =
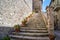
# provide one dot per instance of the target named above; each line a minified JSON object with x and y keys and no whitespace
{"x":22,"y":33}
{"x":29,"y":37}
{"x":34,"y":27}
{"x":33,"y":30}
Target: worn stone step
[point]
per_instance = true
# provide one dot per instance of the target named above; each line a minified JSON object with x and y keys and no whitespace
{"x":31,"y":34}
{"x":34,"y":31}
{"x":22,"y":33}
{"x":33,"y":28}
{"x":29,"y":37}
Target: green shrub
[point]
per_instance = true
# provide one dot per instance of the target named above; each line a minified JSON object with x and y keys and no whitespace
{"x":6,"y":38}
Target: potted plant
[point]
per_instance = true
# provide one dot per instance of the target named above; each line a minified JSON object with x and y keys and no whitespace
{"x":52,"y":37}
{"x":17,"y":28}
{"x":24,"y":22}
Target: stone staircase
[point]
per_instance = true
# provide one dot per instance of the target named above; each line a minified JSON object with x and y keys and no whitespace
{"x":34,"y":30}
{"x":27,"y":33}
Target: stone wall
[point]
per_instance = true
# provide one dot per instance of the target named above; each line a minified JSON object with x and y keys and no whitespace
{"x":5,"y":31}
{"x":37,"y":5}
{"x":50,"y":20}
{"x":58,"y":13}
{"x":13,"y":11}
{"x":57,"y":20}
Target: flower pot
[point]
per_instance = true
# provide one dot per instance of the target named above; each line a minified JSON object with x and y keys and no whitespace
{"x":51,"y":37}
{"x":17,"y":28}
{"x":23,"y":23}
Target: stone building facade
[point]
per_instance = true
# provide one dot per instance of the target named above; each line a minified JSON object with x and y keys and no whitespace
{"x":37,"y":4}
{"x":50,"y":20}
{"x":13,"y":11}
{"x":56,"y":5}
{"x":36,"y":21}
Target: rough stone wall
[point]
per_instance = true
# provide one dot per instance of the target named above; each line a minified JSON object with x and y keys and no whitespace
{"x":5,"y":31}
{"x":37,"y":5}
{"x":13,"y":11}
{"x":57,"y":20}
{"x":58,"y":13}
{"x":50,"y":20}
